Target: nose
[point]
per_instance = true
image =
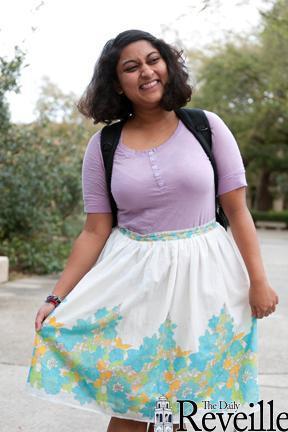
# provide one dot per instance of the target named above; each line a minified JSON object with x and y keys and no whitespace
{"x":146,"y":71}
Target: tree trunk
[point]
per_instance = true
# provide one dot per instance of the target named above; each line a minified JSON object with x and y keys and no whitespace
{"x":264,"y":198}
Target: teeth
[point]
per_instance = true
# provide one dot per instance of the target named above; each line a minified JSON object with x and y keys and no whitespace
{"x":149,"y":85}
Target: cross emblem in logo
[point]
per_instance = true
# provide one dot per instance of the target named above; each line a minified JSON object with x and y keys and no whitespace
{"x":163,"y":418}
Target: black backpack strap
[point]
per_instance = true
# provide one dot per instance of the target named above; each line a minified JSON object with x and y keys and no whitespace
{"x":197,"y":122}
{"x":110,"y":136}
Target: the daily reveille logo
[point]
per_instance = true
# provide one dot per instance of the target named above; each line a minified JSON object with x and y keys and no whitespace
{"x":219,"y":421}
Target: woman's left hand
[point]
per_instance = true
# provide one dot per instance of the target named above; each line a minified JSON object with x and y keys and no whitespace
{"x":263,"y":299}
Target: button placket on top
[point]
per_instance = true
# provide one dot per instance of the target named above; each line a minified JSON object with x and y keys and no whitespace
{"x":155,"y":169}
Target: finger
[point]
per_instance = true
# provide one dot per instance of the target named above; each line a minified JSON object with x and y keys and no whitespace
{"x":271,"y":308}
{"x":38,"y":321}
{"x":37,"y":325}
{"x":259,"y":313}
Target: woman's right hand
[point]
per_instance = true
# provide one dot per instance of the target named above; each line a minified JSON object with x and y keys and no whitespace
{"x":42,"y":313}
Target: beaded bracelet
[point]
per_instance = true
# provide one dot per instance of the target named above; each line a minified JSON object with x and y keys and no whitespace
{"x":56,"y":300}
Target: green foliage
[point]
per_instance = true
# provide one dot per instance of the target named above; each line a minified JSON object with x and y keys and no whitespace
{"x":273,"y":216}
{"x":39,"y":182}
{"x":39,"y":255}
{"x":40,"y":188}
{"x":246,"y":83}
{"x":9,"y":73}
{"x":40,"y":177}
{"x":44,"y":252}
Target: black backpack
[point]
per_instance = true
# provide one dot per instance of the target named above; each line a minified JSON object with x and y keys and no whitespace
{"x":195,"y":120}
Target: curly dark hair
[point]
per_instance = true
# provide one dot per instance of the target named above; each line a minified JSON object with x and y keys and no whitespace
{"x":102,"y":103}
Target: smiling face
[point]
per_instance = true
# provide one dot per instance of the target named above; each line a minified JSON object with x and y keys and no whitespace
{"x":142,"y":74}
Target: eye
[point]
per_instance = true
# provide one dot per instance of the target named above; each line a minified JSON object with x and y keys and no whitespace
{"x":155,"y":59}
{"x":131,"y":69}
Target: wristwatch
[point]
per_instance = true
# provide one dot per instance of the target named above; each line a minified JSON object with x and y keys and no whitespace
{"x":56,"y":300}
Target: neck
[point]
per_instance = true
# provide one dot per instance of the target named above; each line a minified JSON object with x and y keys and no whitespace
{"x":151,"y":117}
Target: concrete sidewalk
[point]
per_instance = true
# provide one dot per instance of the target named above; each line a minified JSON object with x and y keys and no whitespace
{"x":20,"y":300}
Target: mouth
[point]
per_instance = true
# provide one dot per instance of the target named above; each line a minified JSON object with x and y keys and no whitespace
{"x":149,"y":85}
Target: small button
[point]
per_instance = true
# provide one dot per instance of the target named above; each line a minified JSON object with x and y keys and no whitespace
{"x":161,"y":183}
{"x":150,"y":152}
{"x":154,"y":166}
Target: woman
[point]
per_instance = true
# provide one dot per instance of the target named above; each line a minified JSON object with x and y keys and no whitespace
{"x":162,"y":303}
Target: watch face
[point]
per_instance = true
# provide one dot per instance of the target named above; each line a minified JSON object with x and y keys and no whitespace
{"x":159,"y":429}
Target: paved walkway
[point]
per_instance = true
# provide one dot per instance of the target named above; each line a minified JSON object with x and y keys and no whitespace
{"x":19,"y":302}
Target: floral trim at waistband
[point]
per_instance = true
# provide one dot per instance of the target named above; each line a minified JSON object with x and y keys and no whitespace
{"x":170,"y":235}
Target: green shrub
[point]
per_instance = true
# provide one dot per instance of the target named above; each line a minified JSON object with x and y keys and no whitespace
{"x":273,"y":216}
{"x":39,"y":255}
{"x":44,"y":252}
{"x":40,"y":196}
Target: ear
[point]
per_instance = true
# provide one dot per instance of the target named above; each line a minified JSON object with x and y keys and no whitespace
{"x":118,"y":88}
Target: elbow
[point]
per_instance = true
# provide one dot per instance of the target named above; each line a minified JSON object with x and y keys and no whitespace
{"x":236,"y":213}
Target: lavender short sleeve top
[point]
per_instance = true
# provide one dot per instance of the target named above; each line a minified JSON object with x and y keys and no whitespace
{"x":169,"y":187}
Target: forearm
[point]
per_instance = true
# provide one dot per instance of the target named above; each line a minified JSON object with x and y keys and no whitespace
{"x":245,"y":236}
{"x":86,"y":249}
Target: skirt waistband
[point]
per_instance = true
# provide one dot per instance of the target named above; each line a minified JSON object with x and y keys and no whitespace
{"x":170,"y":235}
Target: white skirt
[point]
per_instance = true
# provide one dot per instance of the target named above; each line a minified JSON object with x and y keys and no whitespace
{"x":162,"y":314}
